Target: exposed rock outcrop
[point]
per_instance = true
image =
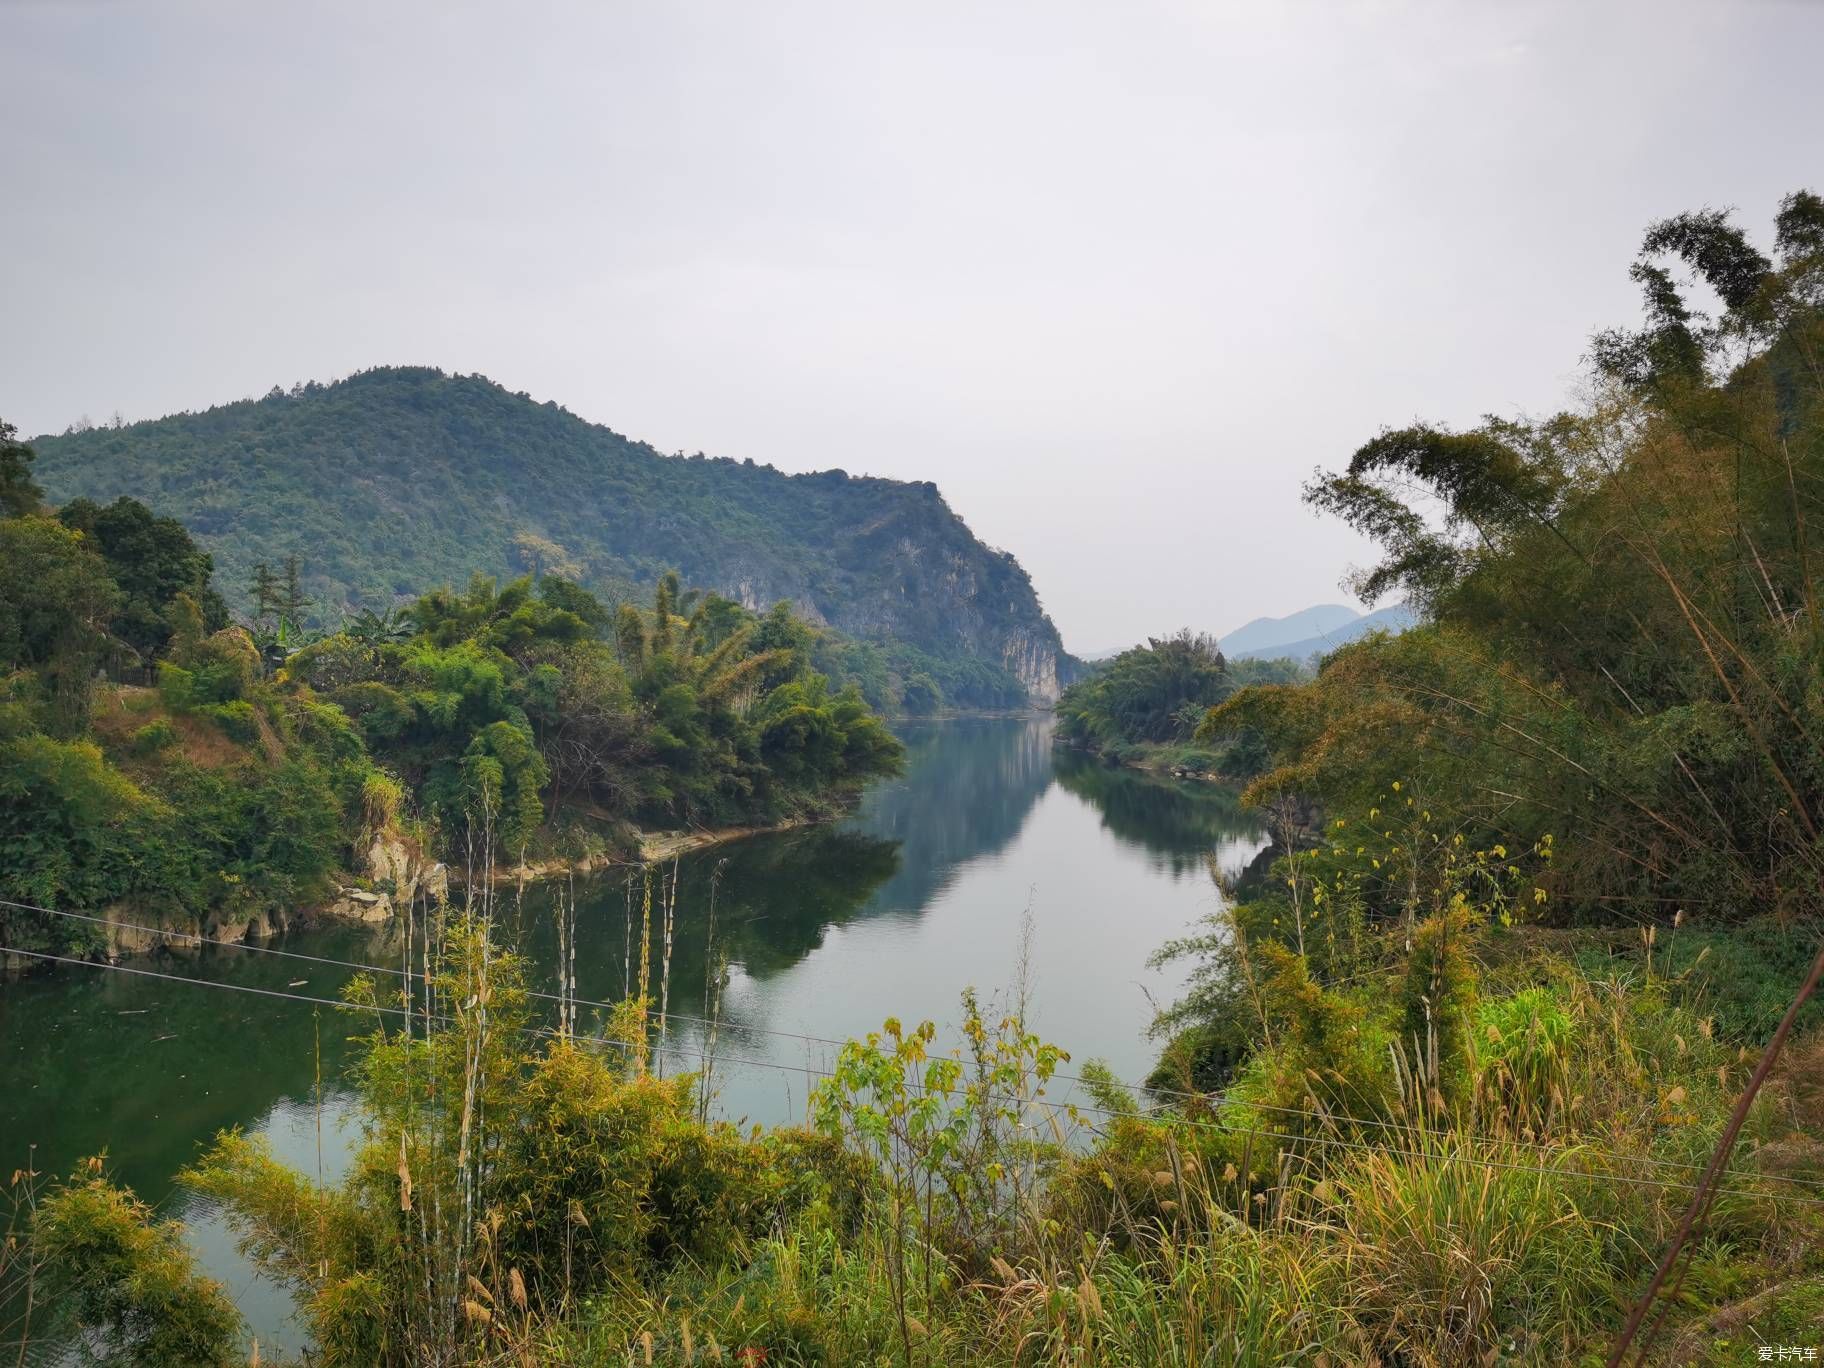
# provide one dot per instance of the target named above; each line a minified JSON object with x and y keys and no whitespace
{"x":400,"y":874}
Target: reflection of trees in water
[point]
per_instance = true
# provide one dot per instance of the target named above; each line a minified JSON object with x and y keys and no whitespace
{"x":775,"y":897}
{"x":1180,"y":821}
{"x":968,"y":789}
{"x":144,"y":1068}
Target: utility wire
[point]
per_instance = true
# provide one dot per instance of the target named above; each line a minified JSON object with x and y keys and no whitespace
{"x":1396,"y":1127}
{"x":1073,"y":1110}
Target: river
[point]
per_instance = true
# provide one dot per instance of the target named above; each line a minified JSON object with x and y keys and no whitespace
{"x":993,"y":850}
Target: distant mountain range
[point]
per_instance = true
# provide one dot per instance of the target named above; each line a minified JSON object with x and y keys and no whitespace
{"x":1302,"y":635}
{"x":1312,"y":631}
{"x":400,"y":479}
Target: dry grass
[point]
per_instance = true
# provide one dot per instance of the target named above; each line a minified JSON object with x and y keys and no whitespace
{"x":122,"y":709}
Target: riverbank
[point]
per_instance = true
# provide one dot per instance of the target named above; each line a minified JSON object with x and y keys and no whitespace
{"x":1173,"y":762}
{"x":125,"y":934}
{"x":647,"y":847}
{"x":827,"y":929}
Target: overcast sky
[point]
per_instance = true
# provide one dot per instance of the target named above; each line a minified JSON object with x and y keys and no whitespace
{"x":1115,"y":276}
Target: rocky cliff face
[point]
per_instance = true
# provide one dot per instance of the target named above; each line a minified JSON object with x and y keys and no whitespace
{"x":1035,"y":665}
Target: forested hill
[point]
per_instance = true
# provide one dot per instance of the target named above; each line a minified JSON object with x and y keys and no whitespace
{"x":401,"y":477}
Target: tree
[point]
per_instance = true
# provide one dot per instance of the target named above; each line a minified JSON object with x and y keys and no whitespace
{"x":921,"y":697}
{"x":56,"y":600}
{"x":152,"y":560}
{"x":540,"y":556}
{"x":1624,"y":603}
{"x":265,"y":591}
{"x":1152,"y":693}
{"x":18,"y":494}
{"x":292,"y":602}
{"x":400,"y":479}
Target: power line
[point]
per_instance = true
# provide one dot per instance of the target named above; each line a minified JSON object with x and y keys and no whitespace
{"x":195,"y":939}
{"x":1325,"y":1117}
{"x":199,"y":982}
{"x":1074,"y":1110}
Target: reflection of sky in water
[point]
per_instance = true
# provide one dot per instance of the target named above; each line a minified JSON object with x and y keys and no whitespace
{"x":291,"y":1129}
{"x":923,"y":893}
{"x":1099,"y":908}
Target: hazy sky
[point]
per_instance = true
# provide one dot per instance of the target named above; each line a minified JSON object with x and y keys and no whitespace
{"x":1115,"y":276}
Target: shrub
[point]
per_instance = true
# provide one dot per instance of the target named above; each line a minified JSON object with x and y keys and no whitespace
{"x":130,"y":1280}
{"x":382,"y":799}
{"x":1524,"y":1044}
{"x":218,"y":669}
{"x":155,"y":736}
{"x":1439,"y":996}
{"x":237,"y":719}
{"x":382,"y":712}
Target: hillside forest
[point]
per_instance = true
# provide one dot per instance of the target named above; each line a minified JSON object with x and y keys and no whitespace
{"x":158,"y":758}
{"x":399,"y":479}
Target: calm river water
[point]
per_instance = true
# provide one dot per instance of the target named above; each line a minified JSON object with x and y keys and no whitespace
{"x":922,"y":893}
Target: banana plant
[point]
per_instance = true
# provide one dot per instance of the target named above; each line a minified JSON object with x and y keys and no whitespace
{"x":279,"y":640}
{"x":375,"y":630}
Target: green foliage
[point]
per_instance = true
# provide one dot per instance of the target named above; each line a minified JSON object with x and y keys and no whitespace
{"x":596,"y":1173}
{"x":19,"y":494}
{"x":1656,"y":690}
{"x":236,"y":718}
{"x":1438,"y":1004}
{"x":157,"y":735}
{"x":921,"y":695}
{"x":231,"y":829}
{"x":1741,"y":976}
{"x":490,"y":709}
{"x":1524,"y":1044}
{"x":1324,"y":1052}
{"x":151,"y":560}
{"x":501,"y":777}
{"x":56,"y":601}
{"x":1145,"y":706}
{"x":217,"y":669}
{"x":506,"y":704}
{"x":1157,"y":692}
{"x":400,"y":478}
{"x":945,"y":1133}
{"x":128,"y":1281}
{"x":63,"y":813}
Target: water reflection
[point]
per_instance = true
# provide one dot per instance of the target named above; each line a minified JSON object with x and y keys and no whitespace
{"x":1181,"y":821}
{"x":969,"y":787}
{"x":773,"y":899}
{"x":146,"y":1068}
